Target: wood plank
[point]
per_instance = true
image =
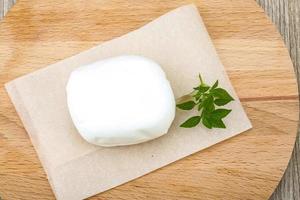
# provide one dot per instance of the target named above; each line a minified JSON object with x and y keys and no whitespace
{"x":286,"y":16}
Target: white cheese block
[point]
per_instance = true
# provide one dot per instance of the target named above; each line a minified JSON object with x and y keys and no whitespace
{"x":120,"y":101}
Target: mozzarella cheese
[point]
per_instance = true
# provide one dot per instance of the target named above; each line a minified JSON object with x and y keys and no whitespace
{"x":120,"y":101}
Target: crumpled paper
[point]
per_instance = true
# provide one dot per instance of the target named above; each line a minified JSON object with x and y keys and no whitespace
{"x":179,"y":42}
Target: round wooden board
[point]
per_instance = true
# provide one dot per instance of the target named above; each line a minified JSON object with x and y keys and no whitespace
{"x":249,"y":166}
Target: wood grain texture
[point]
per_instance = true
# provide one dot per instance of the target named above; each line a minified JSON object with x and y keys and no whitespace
{"x":5,"y":6}
{"x":286,"y":15}
{"x":246,"y":167}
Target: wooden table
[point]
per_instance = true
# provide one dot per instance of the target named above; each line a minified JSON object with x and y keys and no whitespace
{"x":285,"y":13}
{"x":286,"y":16}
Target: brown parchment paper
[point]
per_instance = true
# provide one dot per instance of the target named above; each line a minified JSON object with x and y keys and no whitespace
{"x":76,"y":169}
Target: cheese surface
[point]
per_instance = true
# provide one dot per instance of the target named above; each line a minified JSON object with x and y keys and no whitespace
{"x":120,"y":101}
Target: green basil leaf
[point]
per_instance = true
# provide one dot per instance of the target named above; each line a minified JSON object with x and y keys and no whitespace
{"x":210,"y":107}
{"x":208,"y":104}
{"x":222,"y":102}
{"x":189,"y":105}
{"x":200,"y":106}
{"x":220,"y":113}
{"x":208,"y":100}
{"x":191,"y":122}
{"x":202,"y":88}
{"x":220,"y":93}
{"x":198,"y":95}
{"x":217,"y":123}
{"x":215,"y":85}
{"x":206,"y":122}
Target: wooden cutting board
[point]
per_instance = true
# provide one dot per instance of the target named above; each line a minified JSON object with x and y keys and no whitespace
{"x":249,"y":166}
